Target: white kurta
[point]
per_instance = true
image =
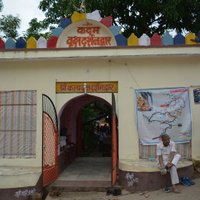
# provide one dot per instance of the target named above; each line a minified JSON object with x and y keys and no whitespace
{"x":165,"y":152}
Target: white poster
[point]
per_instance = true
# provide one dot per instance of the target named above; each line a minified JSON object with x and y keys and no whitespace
{"x":162,"y":111}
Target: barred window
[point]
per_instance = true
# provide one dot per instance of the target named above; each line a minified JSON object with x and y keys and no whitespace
{"x":17,"y":124}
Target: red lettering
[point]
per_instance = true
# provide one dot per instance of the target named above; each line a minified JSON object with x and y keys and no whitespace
{"x":179,"y":90}
{"x":91,"y":31}
{"x":88,"y":41}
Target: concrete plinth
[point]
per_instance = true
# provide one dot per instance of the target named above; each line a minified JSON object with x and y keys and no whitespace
{"x":144,"y":175}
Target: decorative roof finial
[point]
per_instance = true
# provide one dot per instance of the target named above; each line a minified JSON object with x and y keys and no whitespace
{"x":82,"y":8}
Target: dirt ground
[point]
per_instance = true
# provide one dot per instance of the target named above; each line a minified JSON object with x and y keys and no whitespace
{"x":187,"y":193}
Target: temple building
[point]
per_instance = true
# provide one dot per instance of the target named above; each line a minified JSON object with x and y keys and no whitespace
{"x":138,"y":88}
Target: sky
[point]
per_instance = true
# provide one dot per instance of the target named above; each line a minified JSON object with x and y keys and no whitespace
{"x":25,"y":9}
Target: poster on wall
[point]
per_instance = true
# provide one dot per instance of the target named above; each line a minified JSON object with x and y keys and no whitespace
{"x":196,"y":93}
{"x":161,"y":111}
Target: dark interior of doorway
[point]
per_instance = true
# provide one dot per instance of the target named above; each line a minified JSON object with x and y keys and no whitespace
{"x":82,"y":120}
{"x":96,"y":129}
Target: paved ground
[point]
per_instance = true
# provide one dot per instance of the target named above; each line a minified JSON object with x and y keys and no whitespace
{"x":92,"y":168}
{"x":187,"y":193}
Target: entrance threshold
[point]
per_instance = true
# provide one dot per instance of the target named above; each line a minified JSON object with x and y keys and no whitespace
{"x":85,"y":174}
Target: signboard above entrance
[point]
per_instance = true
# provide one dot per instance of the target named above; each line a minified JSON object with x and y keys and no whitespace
{"x":87,"y":87}
{"x":86,"y":33}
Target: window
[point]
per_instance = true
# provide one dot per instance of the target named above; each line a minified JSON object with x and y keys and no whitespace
{"x":17,"y":124}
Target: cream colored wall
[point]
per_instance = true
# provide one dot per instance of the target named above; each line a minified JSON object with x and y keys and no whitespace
{"x":130,"y":72}
{"x":154,"y":72}
{"x":42,"y":76}
{"x":28,"y":76}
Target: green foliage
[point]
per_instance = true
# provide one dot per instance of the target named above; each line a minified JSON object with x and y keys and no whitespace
{"x":88,"y":115}
{"x":35,"y":29}
{"x":54,"y":10}
{"x":182,"y":14}
{"x":138,"y":16}
{"x":1,"y":5}
{"x":9,"y":25}
{"x":90,"y":112}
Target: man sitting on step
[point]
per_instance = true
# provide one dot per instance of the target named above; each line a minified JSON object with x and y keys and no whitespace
{"x":168,"y":160}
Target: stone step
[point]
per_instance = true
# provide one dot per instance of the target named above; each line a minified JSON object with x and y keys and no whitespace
{"x":77,"y":185}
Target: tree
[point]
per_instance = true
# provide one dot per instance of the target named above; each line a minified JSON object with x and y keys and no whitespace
{"x":54,"y":10}
{"x":35,"y":29}
{"x":9,"y":24}
{"x":1,"y":5}
{"x":138,"y":16}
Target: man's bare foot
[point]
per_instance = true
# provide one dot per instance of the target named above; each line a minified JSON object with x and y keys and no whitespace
{"x":175,"y":189}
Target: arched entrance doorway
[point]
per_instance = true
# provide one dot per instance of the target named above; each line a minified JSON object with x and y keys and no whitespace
{"x":82,"y":120}
{"x":86,"y":125}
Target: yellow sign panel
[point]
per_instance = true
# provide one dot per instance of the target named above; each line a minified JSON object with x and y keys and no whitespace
{"x":87,"y":87}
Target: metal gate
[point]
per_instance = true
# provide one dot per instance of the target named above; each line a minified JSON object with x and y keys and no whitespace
{"x":50,"y":142}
